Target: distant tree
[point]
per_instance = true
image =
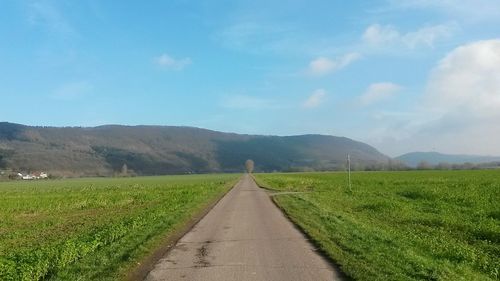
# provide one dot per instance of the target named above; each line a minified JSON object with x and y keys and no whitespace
{"x":469,"y":166}
{"x":355,"y":166}
{"x":464,"y":166}
{"x":249,"y":165}
{"x":124,"y":170}
{"x":390,"y":165}
{"x":443,"y":166}
{"x":424,"y":165}
{"x":396,"y":165}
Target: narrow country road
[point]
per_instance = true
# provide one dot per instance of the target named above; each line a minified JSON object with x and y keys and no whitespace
{"x":244,"y":237}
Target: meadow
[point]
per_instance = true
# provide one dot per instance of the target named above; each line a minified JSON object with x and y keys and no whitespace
{"x":95,"y":229}
{"x":416,"y":225}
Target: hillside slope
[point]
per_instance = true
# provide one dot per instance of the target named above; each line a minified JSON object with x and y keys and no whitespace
{"x":151,"y":150}
{"x":414,"y":158}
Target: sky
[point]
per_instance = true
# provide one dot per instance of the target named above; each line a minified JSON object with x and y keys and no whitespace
{"x":400,"y":75}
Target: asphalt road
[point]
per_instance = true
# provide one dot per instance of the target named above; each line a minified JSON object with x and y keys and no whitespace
{"x":244,"y":237}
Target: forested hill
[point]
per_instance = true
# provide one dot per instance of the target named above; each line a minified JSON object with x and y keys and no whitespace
{"x":153,"y":150}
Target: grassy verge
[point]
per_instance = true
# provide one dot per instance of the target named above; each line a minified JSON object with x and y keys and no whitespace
{"x":436,"y":225}
{"x":94,"y":229}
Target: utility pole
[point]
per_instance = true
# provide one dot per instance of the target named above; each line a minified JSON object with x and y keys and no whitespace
{"x":349,"y":171}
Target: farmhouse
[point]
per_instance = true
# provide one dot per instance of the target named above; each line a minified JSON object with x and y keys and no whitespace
{"x":33,"y":176}
{"x":28,"y":177}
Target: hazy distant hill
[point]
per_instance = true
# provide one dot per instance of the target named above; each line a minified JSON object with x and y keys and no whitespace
{"x":149,"y":150}
{"x":434,"y":158}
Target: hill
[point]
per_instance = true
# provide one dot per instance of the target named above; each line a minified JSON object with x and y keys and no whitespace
{"x":414,"y":158}
{"x":152,"y":150}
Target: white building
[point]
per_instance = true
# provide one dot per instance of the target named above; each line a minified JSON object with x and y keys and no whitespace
{"x":28,"y":177}
{"x":33,"y":176}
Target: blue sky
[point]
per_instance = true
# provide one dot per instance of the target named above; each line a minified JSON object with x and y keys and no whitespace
{"x":408,"y":75}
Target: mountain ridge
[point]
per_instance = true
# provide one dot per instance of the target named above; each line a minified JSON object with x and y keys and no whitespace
{"x":155,"y":149}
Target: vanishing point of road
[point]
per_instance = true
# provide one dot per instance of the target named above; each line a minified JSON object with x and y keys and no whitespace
{"x":244,"y":237}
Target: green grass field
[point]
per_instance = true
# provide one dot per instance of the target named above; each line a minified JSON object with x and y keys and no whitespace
{"x":422,"y":225}
{"x":94,"y":229}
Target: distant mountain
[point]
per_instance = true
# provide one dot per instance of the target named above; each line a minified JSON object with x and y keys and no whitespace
{"x":151,"y":150}
{"x":414,"y":158}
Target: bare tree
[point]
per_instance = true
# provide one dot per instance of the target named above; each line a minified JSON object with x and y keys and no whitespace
{"x":443,"y":166}
{"x":424,"y":165}
{"x":124,"y":170}
{"x":249,"y":166}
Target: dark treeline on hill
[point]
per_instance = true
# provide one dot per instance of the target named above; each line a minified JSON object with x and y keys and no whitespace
{"x":154,"y":150}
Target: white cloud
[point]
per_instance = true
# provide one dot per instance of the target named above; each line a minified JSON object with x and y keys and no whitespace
{"x":387,"y":35}
{"x":459,"y":111}
{"x":322,"y":65}
{"x":246,"y":102}
{"x":72,"y":91}
{"x":378,"y":91}
{"x":167,"y":61}
{"x":315,"y":99}
{"x":468,"y":77}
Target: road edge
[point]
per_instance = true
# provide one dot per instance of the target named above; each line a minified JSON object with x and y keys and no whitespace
{"x":140,"y":272}
{"x":317,"y":246}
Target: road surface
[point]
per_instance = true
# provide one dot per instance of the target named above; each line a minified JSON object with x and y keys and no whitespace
{"x":244,"y":237}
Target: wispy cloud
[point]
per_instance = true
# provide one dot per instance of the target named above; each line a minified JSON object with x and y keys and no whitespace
{"x":379,"y":91}
{"x":377,"y":34}
{"x":323,"y":65}
{"x":271,"y":36}
{"x":49,"y":16}
{"x":166,"y":61}
{"x":465,"y":10}
{"x":315,"y":99}
{"x":246,"y":33}
{"x":387,"y":35}
{"x":256,"y":37}
{"x":72,"y":91}
{"x":246,"y":102}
